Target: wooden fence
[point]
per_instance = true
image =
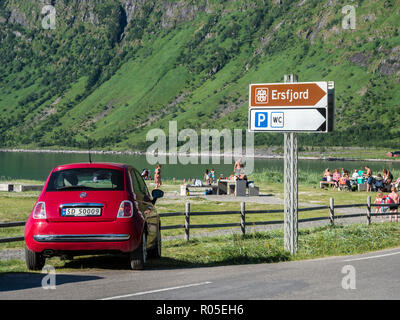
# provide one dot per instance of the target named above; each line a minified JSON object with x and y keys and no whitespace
{"x":243,"y":213}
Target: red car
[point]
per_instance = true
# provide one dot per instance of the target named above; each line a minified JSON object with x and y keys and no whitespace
{"x":92,"y":208}
{"x":393,"y":154}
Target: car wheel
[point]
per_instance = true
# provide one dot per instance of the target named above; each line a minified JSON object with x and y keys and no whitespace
{"x":156,"y":251}
{"x":34,"y":260}
{"x":139,"y":256}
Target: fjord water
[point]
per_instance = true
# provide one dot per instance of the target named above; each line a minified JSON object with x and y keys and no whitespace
{"x":37,"y":165}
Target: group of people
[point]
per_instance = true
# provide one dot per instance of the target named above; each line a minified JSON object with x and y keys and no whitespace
{"x":382,"y":182}
{"x":238,"y":173}
{"x":341,"y":177}
{"x":389,"y":202}
{"x":337,"y":178}
{"x":209,"y":175}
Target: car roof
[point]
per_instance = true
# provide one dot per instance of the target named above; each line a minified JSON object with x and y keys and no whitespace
{"x":105,"y":165}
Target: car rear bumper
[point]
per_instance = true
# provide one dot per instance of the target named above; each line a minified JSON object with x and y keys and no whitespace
{"x":80,"y":237}
{"x":121,"y":235}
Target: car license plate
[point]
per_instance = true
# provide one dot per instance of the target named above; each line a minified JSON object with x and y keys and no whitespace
{"x":80,"y":212}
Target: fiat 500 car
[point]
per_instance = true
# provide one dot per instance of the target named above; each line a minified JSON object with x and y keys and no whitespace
{"x":93,"y":208}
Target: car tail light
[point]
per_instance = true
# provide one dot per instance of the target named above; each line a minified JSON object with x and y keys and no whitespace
{"x":39,"y":212}
{"x":125,"y":209}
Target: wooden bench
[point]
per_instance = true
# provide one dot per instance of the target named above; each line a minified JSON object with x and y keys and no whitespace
{"x":185,"y":188}
{"x":20,"y":187}
{"x":326,"y":183}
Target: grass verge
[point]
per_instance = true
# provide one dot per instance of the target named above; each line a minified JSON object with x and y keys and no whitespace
{"x":256,"y":247}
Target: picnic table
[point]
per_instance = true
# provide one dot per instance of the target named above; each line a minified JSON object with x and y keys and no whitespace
{"x":225,"y":186}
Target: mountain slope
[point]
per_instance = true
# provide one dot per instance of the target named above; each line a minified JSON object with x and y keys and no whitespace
{"x":112,"y":70}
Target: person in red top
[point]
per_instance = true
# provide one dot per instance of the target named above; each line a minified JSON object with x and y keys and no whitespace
{"x":336,"y":177}
{"x":378,"y":200}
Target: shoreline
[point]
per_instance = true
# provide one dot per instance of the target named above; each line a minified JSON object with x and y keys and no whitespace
{"x":140,"y":153}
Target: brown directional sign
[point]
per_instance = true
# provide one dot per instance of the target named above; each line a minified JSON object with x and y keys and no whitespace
{"x":299,"y":94}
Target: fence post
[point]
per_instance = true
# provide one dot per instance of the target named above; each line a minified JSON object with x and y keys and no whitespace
{"x":243,"y":217}
{"x":369,"y":210}
{"x":187,"y":220}
{"x":332,"y":211}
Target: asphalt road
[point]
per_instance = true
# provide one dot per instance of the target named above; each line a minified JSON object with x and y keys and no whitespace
{"x":370,"y":276}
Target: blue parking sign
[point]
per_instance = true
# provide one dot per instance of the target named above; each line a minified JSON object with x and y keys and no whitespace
{"x":261,"y":119}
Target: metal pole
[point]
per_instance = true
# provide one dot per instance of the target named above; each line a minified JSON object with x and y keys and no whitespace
{"x":187,"y":220}
{"x":369,"y":210}
{"x":332,"y":211}
{"x":290,"y":186}
{"x":243,"y":217}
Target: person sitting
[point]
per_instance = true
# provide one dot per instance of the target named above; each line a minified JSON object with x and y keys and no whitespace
{"x":335,"y":178}
{"x":238,"y":167}
{"x":396,"y":183}
{"x":325,"y":174}
{"x":379,"y":183}
{"x":329,"y":178}
{"x":326,"y":178}
{"x":146,"y":174}
{"x":387,"y":179}
{"x":344,"y":182}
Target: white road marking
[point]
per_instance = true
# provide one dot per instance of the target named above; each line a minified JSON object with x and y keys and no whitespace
{"x":373,"y":257}
{"x":157,"y":290}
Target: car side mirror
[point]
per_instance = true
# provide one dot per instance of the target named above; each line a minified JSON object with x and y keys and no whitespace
{"x":157,"y":193}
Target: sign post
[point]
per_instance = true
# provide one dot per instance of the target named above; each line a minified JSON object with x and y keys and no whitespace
{"x":291,"y":107}
{"x":290,"y":186}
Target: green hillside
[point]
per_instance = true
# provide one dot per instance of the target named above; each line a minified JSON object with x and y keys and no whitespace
{"x":112,"y":70}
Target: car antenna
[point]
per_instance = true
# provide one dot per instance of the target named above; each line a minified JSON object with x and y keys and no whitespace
{"x":90,"y":156}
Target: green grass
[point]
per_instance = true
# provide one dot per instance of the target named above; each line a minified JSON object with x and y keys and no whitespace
{"x":256,"y":247}
{"x":266,"y":247}
{"x":347,"y":152}
{"x":18,"y":206}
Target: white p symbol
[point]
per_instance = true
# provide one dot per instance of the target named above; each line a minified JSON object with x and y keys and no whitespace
{"x":261,"y":119}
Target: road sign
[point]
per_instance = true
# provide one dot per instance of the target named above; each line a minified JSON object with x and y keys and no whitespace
{"x":291,"y":107}
{"x":288,"y":120}
{"x":288,"y":95}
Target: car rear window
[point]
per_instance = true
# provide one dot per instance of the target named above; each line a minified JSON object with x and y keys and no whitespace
{"x":86,"y":179}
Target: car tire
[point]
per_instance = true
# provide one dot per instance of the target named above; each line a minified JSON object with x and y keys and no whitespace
{"x":34,"y":260}
{"x":139,"y":256}
{"x":155,"y":252}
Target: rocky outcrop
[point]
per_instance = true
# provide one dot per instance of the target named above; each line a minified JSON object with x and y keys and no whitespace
{"x":360,"y":59}
{"x":18,"y":17}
